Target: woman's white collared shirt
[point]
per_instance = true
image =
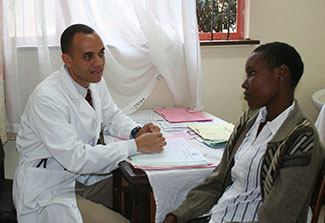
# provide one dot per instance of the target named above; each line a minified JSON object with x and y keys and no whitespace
{"x":241,"y":200}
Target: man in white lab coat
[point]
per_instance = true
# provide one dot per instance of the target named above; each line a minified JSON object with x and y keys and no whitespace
{"x":57,"y":141}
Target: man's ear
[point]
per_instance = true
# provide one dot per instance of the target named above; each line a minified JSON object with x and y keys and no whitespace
{"x":284,"y":73}
{"x":66,"y":59}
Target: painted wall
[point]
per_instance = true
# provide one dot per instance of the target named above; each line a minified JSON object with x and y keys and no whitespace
{"x":297,"y":22}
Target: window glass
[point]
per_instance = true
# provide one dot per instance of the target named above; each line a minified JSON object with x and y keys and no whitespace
{"x":220,"y":19}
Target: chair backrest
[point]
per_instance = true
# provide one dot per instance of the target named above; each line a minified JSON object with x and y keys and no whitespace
{"x":2,"y":156}
{"x":7,"y":209}
{"x":318,"y":196}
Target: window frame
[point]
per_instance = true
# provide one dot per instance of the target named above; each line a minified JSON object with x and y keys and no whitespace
{"x":238,"y":35}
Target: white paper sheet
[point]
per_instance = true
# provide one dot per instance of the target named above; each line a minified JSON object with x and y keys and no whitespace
{"x":177,"y":151}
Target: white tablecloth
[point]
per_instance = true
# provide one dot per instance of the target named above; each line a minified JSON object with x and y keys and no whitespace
{"x":170,"y":187}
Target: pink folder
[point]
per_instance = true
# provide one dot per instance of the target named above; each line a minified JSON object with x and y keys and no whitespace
{"x":212,"y":165}
{"x":175,"y":115}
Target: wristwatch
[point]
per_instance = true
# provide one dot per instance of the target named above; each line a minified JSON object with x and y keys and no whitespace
{"x":134,"y":131}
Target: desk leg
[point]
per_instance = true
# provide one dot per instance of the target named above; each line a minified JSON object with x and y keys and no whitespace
{"x":142,"y":205}
{"x":135,"y":202}
{"x":152,"y":208}
{"x":131,"y":201}
{"x":117,"y":191}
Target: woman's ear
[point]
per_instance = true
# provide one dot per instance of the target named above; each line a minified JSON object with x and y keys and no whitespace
{"x":284,"y":73}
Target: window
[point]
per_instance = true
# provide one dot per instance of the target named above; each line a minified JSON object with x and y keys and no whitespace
{"x":30,"y":22}
{"x":220,"y":19}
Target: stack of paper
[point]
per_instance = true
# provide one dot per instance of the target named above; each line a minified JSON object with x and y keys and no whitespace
{"x":215,"y":144}
{"x":213,"y":135}
{"x":178,"y":153}
{"x":213,"y":131}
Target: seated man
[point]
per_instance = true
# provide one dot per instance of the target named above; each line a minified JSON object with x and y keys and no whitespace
{"x":57,"y":141}
{"x":273,"y":157}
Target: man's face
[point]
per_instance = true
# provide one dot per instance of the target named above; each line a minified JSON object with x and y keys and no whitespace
{"x":261,"y":84}
{"x":85,"y":60}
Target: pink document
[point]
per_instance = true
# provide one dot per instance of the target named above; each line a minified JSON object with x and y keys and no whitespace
{"x":212,"y":165}
{"x":175,"y":115}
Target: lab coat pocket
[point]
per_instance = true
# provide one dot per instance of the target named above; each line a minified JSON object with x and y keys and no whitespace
{"x":43,"y":187}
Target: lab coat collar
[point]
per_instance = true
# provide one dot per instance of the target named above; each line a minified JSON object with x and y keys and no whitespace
{"x":68,"y":84}
{"x":94,"y":112}
{"x":67,"y":81}
{"x":74,"y":94}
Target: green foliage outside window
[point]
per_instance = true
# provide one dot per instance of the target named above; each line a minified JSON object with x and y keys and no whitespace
{"x":216,"y":15}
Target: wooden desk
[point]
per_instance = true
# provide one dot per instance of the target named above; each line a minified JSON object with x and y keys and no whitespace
{"x":132,"y":194}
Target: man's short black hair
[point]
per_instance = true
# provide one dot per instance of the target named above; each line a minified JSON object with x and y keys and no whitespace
{"x":68,"y":34}
{"x":277,"y":53}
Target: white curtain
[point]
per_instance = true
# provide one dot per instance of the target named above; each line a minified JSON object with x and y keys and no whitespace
{"x":145,"y":39}
{"x":3,"y":133}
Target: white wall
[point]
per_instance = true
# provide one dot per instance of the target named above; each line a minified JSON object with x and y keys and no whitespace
{"x":299,"y":23}
{"x":223,"y":73}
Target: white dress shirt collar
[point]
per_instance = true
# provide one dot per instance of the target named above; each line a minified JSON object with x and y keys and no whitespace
{"x":275,"y":124}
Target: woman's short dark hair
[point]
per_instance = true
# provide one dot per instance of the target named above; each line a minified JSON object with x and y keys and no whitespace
{"x":277,"y":53}
{"x":68,"y":34}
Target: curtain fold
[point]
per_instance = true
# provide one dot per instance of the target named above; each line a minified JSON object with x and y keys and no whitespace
{"x":161,"y":22}
{"x":145,"y":39}
{"x":3,"y":133}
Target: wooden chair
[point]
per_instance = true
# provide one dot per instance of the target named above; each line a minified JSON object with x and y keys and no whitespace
{"x":318,"y":197}
{"x":7,"y":209}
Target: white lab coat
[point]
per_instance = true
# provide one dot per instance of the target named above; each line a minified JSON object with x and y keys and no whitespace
{"x":60,"y":125}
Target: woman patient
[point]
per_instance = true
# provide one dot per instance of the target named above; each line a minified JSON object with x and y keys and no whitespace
{"x":273,"y":157}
